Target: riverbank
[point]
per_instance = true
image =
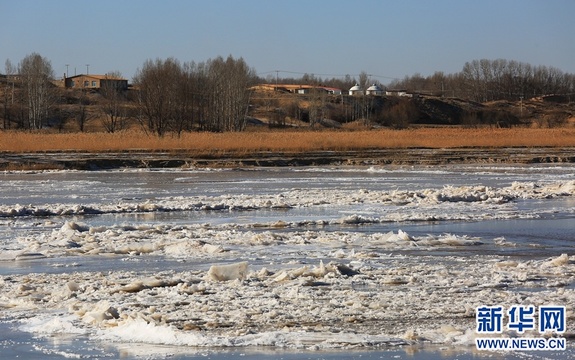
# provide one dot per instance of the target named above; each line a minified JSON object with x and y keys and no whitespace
{"x":69,"y":160}
{"x":136,"y":149}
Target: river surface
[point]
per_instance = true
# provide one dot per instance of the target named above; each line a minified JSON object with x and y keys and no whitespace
{"x":299,"y":262}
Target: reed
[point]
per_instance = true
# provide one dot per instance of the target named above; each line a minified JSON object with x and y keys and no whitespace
{"x":286,"y":140}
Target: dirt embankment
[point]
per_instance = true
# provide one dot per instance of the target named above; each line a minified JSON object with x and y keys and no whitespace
{"x":411,"y":156}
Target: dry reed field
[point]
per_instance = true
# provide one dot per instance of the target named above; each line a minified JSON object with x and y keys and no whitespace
{"x":286,"y":140}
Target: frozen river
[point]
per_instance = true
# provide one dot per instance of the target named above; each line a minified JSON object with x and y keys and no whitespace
{"x":330,"y":262}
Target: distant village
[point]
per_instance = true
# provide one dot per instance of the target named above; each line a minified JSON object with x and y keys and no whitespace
{"x":355,"y":90}
{"x":169,"y":96}
{"x":81,"y":81}
{"x":96,"y":82}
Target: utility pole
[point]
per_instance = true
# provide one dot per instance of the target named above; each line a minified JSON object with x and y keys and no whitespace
{"x":87,"y":69}
{"x":67,"y":69}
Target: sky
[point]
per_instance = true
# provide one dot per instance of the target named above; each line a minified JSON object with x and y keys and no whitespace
{"x":327,"y":38}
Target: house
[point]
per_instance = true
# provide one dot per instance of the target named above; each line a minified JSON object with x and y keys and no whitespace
{"x":12,"y":78}
{"x":396,"y":93}
{"x":94,"y":82}
{"x":296,"y":88}
{"x":374,"y":90}
{"x":355,"y":90}
{"x":332,"y":91}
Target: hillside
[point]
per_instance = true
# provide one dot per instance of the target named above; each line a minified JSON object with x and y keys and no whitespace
{"x":399,"y":112}
{"x":75,"y":110}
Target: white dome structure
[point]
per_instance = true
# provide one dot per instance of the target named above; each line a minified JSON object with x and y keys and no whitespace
{"x":355,"y":90}
{"x":374,"y":90}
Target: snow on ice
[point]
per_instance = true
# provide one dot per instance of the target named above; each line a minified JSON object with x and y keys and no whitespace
{"x":381,"y":301}
{"x":425,"y":199}
{"x":248,"y":284}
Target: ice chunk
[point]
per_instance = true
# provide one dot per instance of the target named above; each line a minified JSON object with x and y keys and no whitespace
{"x":396,"y":280}
{"x":212,"y":249}
{"x":6,"y":255}
{"x":152,"y":282}
{"x":73,"y":286}
{"x":404,"y":236}
{"x":356,"y":220}
{"x":133,"y":287}
{"x":71,"y":226}
{"x":346,"y":270}
{"x":29,"y":256}
{"x":137,"y":248}
{"x":50,"y":325}
{"x":236,"y":271}
{"x":401,"y":236}
{"x":507,"y":264}
{"x":559,"y":261}
{"x":102,"y":311}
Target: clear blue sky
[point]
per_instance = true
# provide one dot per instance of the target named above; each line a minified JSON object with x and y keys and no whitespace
{"x":386,"y":38}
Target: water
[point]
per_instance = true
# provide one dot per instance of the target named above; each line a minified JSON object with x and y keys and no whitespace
{"x":93,"y":262}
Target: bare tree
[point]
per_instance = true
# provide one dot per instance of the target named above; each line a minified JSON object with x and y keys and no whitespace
{"x":488,"y":80}
{"x":363,"y":81}
{"x":317,"y":106}
{"x":198,"y":78}
{"x":80,"y":112}
{"x":114,"y":102}
{"x":36,"y":73}
{"x":401,"y":114}
{"x":158,"y":82}
{"x":8,"y":93}
{"x":228,"y":93}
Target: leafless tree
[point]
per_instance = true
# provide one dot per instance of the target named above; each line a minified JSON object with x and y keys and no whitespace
{"x":317,"y":106}
{"x":227,"y":93}
{"x":36,"y":74}
{"x":158,"y":84}
{"x":80,"y":111}
{"x":8,"y":93}
{"x":401,"y":114}
{"x":198,"y":82}
{"x":488,"y":80}
{"x":363,"y":81}
{"x":113,"y":106}
{"x":500,"y":79}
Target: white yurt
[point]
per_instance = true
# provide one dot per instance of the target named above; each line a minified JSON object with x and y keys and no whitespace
{"x":356,"y":90}
{"x":374,"y":90}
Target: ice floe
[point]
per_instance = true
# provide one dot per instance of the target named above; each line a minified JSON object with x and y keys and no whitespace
{"x":297,"y":198}
{"x":373,"y":302}
{"x":201,"y":242}
{"x":318,"y":282}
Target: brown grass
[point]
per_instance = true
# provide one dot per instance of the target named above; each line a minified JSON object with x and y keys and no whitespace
{"x":287,"y":140}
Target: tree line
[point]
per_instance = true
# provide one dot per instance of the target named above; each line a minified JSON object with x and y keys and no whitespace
{"x":169,"y":96}
{"x":212,"y":95}
{"x":32,"y":101}
{"x":489,"y":80}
